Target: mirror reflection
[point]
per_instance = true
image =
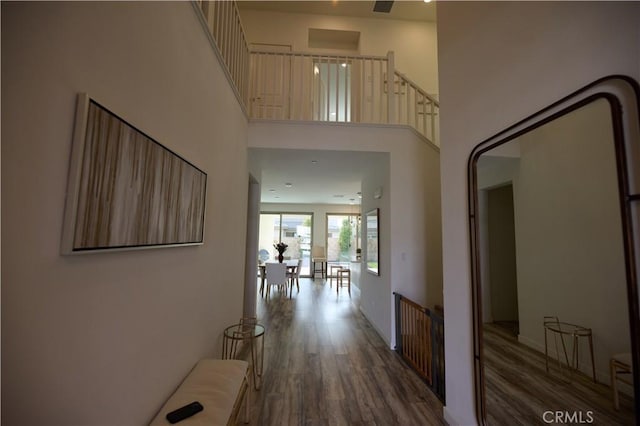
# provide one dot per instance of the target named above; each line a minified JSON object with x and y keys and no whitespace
{"x":552,"y":275}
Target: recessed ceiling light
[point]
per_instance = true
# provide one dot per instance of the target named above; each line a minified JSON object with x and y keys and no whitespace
{"x":288,"y":185}
{"x":272,"y":190}
{"x":314,"y":161}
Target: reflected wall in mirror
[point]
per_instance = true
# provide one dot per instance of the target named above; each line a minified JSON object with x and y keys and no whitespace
{"x":553,"y":266}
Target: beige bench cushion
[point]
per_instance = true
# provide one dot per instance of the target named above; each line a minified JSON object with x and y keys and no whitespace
{"x":216,"y":384}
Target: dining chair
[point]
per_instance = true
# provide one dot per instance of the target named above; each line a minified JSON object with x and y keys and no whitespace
{"x":276,"y":275}
{"x":294,"y":276}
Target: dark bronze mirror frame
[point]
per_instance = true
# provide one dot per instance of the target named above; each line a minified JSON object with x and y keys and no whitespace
{"x":623,"y":96}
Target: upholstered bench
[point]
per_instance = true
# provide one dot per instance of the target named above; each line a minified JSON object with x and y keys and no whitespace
{"x":221,"y":386}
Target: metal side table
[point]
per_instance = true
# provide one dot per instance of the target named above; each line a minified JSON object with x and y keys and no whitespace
{"x":575,"y":332}
{"x":237,"y":335}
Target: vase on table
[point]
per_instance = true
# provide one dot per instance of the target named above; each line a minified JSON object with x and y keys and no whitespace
{"x":280,"y":248}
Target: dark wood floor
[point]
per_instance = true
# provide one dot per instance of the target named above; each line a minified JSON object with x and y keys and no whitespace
{"x":324,"y":364}
{"x":519,"y":390}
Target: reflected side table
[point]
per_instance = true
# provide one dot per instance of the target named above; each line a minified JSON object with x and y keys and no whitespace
{"x":238,"y":335}
{"x":574,"y":332}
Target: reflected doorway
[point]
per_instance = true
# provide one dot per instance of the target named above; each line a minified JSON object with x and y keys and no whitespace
{"x":502,"y":280}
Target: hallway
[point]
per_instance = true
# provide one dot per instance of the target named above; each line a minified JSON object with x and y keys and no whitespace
{"x":324,"y":364}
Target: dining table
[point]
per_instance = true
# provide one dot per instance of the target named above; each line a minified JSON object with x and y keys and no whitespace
{"x":292,"y":265}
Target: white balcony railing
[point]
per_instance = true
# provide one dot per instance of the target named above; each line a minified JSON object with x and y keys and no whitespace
{"x":311,"y":87}
{"x":222,"y":21}
{"x":303,"y":86}
{"x":300,"y":86}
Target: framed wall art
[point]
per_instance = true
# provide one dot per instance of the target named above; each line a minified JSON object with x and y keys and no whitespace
{"x":127,"y":191}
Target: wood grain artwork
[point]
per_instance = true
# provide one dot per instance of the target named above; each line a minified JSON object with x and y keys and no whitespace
{"x":126,"y":190}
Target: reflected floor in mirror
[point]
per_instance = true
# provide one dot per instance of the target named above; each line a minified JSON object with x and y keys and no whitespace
{"x":325,"y":364}
{"x":519,"y":390}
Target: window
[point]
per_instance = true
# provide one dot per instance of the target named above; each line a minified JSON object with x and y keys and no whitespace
{"x":293,"y":229}
{"x":343,"y":237}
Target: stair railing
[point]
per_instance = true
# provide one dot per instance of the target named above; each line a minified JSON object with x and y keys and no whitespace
{"x":415,"y":107}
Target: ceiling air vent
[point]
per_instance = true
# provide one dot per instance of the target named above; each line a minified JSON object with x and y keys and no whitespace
{"x":382,"y":6}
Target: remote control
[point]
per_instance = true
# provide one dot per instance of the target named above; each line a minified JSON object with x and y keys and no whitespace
{"x":183,"y":412}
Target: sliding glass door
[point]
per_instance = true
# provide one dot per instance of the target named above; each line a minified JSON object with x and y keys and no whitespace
{"x":293,"y":229}
{"x":343,"y":237}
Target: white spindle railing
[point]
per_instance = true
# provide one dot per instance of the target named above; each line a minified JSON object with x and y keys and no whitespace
{"x":305,"y":86}
{"x":222,"y":20}
{"x":415,"y":107}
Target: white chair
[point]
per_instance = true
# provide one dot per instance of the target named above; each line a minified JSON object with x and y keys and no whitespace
{"x":621,"y":370}
{"x":276,"y":275}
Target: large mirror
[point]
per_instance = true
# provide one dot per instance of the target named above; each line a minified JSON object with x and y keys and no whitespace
{"x":554,"y":223}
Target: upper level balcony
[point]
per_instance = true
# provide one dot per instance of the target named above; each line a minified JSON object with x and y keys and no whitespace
{"x":301,"y":86}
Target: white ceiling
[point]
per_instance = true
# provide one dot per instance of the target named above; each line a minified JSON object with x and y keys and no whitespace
{"x":334,"y":178}
{"x":412,"y":10}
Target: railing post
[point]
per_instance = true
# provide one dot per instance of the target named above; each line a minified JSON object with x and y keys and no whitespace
{"x":391,"y":93}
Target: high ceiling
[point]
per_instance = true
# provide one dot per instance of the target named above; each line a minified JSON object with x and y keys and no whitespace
{"x":316,"y":177}
{"x":412,"y":10}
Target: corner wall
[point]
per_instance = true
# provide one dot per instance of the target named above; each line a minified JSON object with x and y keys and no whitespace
{"x":104,"y":339}
{"x":496,"y":67}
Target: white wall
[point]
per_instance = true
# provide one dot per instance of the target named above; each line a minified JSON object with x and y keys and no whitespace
{"x":414,"y":43}
{"x":497,"y":66}
{"x":103,"y":339}
{"x":409,"y":208}
{"x":570,"y":257}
